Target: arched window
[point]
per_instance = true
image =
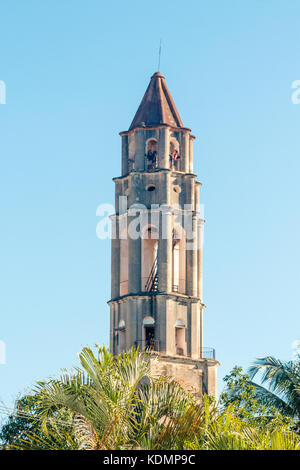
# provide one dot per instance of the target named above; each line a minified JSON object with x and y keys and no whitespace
{"x":175,"y":287}
{"x":178,"y":260}
{"x":174,"y":154}
{"x":149,"y":332}
{"x":149,"y":258}
{"x":121,"y":337}
{"x":131,"y":154}
{"x":180,"y":342}
{"x":124,"y":265}
{"x":151,"y":154}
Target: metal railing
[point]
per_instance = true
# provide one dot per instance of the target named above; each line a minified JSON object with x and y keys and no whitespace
{"x":208,"y":353}
{"x":152,"y":282}
{"x":175,"y":166}
{"x":152,"y":345}
{"x":150,"y":165}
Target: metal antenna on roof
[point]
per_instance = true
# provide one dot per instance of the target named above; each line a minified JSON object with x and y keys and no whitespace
{"x":159,"y":55}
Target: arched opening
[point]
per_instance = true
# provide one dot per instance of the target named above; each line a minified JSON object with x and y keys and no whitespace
{"x":149,"y":258}
{"x":149,"y":333}
{"x":180,"y":341}
{"x":178,"y":261}
{"x":175,"y":287}
{"x":151,"y":154}
{"x":124,"y":266}
{"x":121,"y":337}
{"x":174,"y":155}
{"x":131,"y":154}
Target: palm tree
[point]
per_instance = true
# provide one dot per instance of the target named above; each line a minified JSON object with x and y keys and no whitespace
{"x":283,"y":385}
{"x":114,"y":403}
{"x":226,"y":431}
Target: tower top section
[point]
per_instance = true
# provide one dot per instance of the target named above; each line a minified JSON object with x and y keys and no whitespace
{"x":157,"y":106}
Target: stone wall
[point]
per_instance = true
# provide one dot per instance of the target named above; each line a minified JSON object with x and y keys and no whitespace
{"x":196,"y":376}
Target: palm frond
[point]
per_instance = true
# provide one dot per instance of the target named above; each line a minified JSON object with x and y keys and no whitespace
{"x":282,"y":379}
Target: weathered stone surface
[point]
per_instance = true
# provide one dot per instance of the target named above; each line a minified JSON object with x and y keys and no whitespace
{"x":167,"y":315}
{"x":196,"y":376}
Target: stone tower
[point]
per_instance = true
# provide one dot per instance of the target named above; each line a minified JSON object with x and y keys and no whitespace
{"x":156,"y":260}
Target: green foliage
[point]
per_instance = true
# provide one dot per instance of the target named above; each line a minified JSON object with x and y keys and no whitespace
{"x":227,"y":431}
{"x":112,"y":403}
{"x":24,"y":425}
{"x":241,"y":396}
{"x":283,"y":382}
{"x":16,"y":426}
{"x":278,"y":404}
{"x":115,"y":403}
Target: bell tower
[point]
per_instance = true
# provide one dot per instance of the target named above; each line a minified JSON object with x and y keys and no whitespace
{"x":156,"y":258}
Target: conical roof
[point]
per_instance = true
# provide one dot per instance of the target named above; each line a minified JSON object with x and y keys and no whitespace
{"x":157,"y":106}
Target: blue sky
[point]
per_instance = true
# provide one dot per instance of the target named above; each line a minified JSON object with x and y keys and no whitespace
{"x":75,"y":73}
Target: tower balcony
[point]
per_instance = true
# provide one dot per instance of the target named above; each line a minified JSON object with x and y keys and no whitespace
{"x":151,"y":344}
{"x":152,"y":165}
{"x":205,"y":353}
{"x":208,"y":353}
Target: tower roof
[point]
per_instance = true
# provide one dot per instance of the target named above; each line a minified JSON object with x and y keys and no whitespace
{"x":157,"y":106}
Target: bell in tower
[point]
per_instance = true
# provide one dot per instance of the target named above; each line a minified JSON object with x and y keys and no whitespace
{"x":156,"y":259}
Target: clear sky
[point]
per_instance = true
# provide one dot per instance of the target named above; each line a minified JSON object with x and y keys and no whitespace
{"x":75,"y":73}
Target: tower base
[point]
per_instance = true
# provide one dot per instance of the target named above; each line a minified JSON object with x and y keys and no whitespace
{"x":198,"y":376}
